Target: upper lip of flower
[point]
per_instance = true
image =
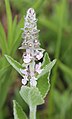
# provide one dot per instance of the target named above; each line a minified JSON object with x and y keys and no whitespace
{"x":38,"y":68}
{"x":24,"y":71}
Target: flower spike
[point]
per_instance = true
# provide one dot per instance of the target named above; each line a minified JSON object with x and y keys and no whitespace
{"x":33,"y":52}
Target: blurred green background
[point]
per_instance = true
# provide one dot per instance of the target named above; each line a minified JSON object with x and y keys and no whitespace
{"x":55,"y":24}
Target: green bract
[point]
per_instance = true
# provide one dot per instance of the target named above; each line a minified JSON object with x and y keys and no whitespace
{"x":31,"y":95}
{"x":16,"y":65}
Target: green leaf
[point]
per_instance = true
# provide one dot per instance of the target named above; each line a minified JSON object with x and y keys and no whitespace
{"x":18,"y":111}
{"x":2,"y":71}
{"x":18,"y":29}
{"x":46,"y":60}
{"x":47,"y":68}
{"x":18,"y":38}
{"x":9,"y":22}
{"x":43,"y":84}
{"x":16,"y":65}
{"x":31,"y":96}
{"x":38,"y":4}
{"x":4,"y":87}
{"x":14,"y":28}
{"x":60,"y":19}
{"x":43,"y":79}
{"x":47,"y":23}
{"x":3,"y":43}
{"x":67,"y":70}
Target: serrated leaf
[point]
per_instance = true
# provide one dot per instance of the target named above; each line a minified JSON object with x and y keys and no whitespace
{"x":16,"y":65}
{"x":18,"y":112}
{"x":31,"y":96}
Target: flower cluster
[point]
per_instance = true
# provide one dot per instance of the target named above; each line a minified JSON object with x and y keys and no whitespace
{"x":32,"y":52}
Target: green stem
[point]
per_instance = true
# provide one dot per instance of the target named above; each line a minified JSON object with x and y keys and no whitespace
{"x":33,"y":112}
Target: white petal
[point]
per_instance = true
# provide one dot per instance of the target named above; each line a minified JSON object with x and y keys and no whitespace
{"x":37,"y":68}
{"x":24,"y":71}
{"x":31,"y":73}
{"x":39,"y":71}
{"x":40,"y":64}
{"x":33,"y":78}
{"x":33,"y":83}
{"x":28,"y":51}
{"x":39,"y":55}
{"x":26,"y":60}
{"x":24,"y":81}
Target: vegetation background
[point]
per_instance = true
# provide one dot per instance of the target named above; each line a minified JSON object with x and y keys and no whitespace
{"x":55,"y":24}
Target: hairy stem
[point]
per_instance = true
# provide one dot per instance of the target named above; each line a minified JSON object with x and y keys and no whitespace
{"x":32,"y":112}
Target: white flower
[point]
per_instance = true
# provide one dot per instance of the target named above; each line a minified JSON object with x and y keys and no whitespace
{"x":31,"y":73}
{"x":27,"y":58}
{"x":38,"y":68}
{"x":39,"y":55}
{"x":33,"y":81}
{"x":28,"y":51}
{"x":24,"y":71}
{"x":24,"y":80}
